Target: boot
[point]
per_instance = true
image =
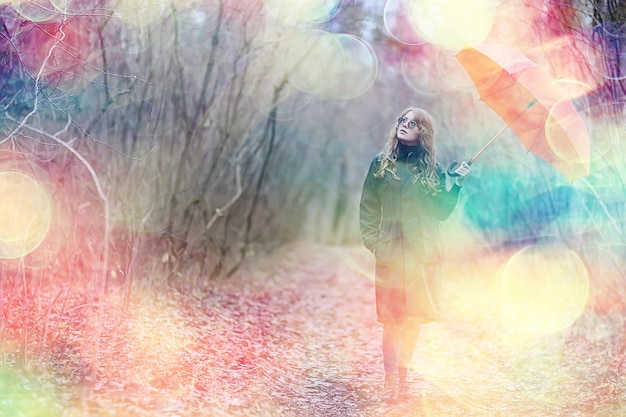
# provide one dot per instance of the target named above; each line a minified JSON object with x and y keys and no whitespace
{"x":403,"y":385}
{"x":390,"y":390}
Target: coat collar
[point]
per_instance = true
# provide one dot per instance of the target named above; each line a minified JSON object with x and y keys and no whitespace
{"x":405,"y":151}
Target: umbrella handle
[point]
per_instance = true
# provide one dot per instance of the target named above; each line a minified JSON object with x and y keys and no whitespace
{"x":454,"y":165}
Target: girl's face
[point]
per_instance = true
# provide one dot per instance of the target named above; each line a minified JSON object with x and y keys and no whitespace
{"x":407,"y":130}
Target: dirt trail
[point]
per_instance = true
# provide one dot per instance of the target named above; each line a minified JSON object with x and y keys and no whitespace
{"x":312,"y":336}
{"x":297,"y":336}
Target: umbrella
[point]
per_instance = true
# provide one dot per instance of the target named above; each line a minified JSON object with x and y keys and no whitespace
{"x":532,"y":103}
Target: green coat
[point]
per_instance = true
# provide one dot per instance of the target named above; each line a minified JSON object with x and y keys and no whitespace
{"x":401,"y":224}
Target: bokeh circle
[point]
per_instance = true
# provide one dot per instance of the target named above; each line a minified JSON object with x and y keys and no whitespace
{"x":25,"y":214}
{"x":543,"y":289}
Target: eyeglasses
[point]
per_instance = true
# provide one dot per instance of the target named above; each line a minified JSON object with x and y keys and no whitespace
{"x":411,"y":125}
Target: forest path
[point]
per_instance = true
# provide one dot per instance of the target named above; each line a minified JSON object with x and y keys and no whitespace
{"x":297,"y":336}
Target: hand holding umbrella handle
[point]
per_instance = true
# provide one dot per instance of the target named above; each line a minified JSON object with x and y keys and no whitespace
{"x":454,"y":165}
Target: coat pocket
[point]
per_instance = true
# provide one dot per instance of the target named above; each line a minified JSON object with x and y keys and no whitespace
{"x":388,"y":249}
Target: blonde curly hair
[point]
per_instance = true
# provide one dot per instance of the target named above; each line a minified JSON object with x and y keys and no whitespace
{"x":426,"y":165}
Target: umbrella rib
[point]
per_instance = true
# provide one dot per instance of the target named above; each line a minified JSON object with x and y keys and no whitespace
{"x":534,"y":141}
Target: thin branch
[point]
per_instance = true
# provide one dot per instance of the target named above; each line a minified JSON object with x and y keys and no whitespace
{"x":219,"y":212}
{"x":37,"y":80}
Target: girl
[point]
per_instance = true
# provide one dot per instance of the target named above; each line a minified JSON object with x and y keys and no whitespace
{"x":403,"y":201}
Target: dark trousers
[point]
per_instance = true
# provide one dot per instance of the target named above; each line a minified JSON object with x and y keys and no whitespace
{"x":399,"y":341}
